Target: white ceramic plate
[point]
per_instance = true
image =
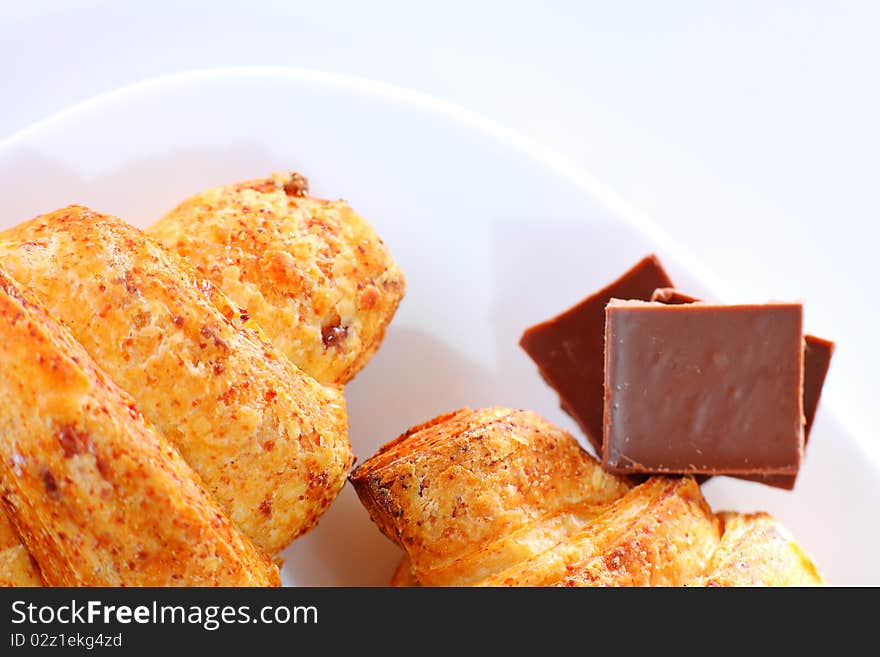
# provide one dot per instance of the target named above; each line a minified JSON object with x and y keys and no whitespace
{"x":492,"y":232}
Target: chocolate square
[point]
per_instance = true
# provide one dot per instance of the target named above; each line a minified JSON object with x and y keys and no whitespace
{"x":569,"y":349}
{"x":817,"y":360}
{"x":703,"y":388}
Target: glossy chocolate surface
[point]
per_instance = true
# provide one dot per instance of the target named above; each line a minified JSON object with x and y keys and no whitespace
{"x":817,"y":360}
{"x":703,"y":389}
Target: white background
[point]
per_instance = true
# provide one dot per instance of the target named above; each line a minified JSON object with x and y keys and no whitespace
{"x":748,"y":131}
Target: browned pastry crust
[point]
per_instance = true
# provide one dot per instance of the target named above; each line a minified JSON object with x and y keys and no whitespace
{"x":312,"y":272}
{"x":756,"y":550}
{"x":97,"y":495}
{"x":268,"y":440}
{"x":473,"y":492}
{"x":16,"y":566}
{"x":8,"y":535}
{"x":661,"y":533}
{"x":498,"y":497}
{"x":403,"y":575}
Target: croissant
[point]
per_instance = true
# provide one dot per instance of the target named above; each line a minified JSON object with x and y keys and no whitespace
{"x":97,"y":495}
{"x":311,"y":272}
{"x":500,"y":497}
{"x":269,"y":441}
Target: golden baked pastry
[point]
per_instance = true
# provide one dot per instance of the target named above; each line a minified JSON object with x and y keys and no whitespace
{"x":473,"y":492}
{"x":16,"y":566}
{"x":661,"y":533}
{"x":268,"y":440}
{"x":756,"y":550}
{"x":498,"y":497}
{"x":312,"y":272}
{"x":97,"y":495}
{"x":403,"y":575}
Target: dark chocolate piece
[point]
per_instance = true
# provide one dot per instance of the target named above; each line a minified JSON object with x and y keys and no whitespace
{"x":703,"y":389}
{"x":569,"y":349}
{"x":817,"y":359}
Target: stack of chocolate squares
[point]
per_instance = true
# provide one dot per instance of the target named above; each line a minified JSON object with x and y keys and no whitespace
{"x":663,"y":383}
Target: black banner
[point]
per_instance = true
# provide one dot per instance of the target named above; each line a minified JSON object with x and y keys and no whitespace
{"x":384,"y":620}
